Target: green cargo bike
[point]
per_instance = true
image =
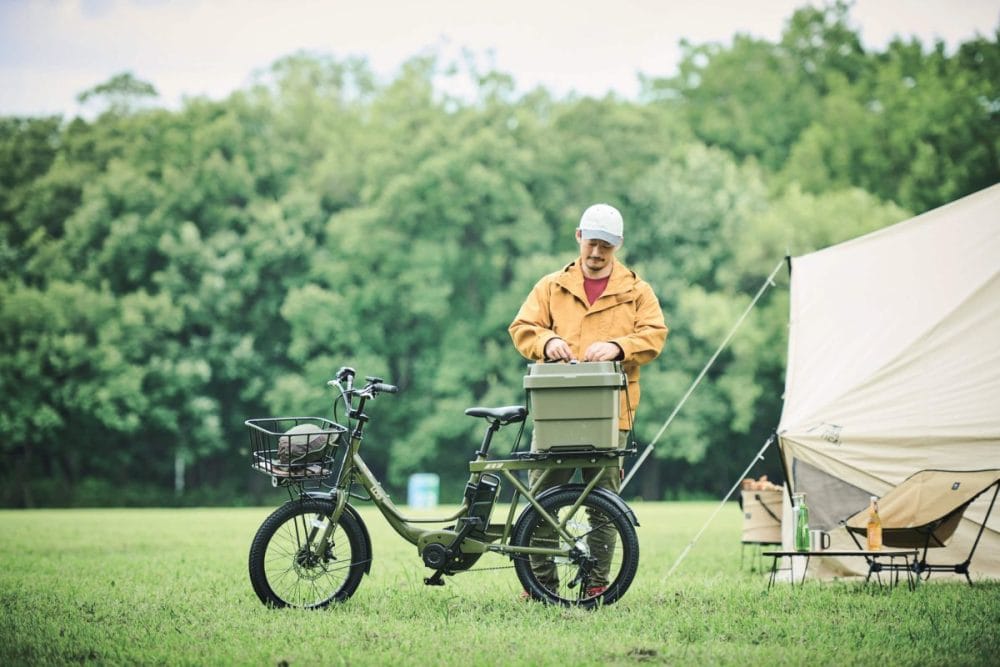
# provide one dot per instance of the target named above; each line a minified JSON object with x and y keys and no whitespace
{"x":315,"y":549}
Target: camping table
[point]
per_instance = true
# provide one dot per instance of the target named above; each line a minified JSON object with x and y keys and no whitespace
{"x":874,"y":559}
{"x":756,"y":557}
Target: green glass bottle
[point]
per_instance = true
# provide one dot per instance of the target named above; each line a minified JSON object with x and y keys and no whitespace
{"x":801,"y":523}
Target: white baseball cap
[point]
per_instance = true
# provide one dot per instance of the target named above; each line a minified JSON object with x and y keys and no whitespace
{"x":602,"y":222}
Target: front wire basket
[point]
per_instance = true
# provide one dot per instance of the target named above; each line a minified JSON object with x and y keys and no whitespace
{"x":294,"y":448}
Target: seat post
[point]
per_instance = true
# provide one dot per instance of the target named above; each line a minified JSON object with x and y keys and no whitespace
{"x":487,"y":438}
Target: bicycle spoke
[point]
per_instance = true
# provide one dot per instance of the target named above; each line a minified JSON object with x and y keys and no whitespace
{"x":598,"y":561}
{"x":286,"y":569}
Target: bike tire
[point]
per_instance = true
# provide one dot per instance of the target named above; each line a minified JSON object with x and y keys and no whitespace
{"x":620,"y":554}
{"x":286,"y":572}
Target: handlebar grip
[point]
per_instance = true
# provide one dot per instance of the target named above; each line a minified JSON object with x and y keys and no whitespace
{"x":381,"y":387}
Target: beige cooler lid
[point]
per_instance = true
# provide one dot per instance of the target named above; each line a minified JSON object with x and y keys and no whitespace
{"x":579,"y":374}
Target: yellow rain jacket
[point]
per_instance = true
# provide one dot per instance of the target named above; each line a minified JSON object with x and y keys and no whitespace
{"x":627,"y":314}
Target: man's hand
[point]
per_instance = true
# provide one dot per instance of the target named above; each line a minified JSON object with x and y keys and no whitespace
{"x":557,"y":350}
{"x":602,"y":351}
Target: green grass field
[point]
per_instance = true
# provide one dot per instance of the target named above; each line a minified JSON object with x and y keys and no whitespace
{"x":171,"y":587}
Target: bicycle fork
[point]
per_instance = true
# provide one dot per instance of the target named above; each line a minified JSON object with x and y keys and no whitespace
{"x":322,"y":528}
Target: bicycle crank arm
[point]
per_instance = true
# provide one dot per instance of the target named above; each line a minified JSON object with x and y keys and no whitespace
{"x":440,"y":557}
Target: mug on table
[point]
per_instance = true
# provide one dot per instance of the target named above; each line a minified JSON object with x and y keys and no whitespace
{"x":819,"y":540}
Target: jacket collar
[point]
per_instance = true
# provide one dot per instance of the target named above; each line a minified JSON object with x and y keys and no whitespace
{"x":622,"y":279}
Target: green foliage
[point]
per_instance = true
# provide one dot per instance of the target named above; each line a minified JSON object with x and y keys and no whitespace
{"x":167,"y":274}
{"x":912,"y":126}
{"x":920,"y":130}
{"x":743,"y":98}
{"x":121,"y":93}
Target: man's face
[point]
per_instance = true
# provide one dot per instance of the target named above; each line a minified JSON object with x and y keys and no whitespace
{"x":595,"y":256}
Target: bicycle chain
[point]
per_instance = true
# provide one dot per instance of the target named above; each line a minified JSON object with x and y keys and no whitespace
{"x":488,"y":569}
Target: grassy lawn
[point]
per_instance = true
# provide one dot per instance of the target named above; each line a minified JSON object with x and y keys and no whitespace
{"x":170,"y":587}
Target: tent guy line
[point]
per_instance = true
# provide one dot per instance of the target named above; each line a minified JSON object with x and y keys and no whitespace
{"x":768,"y":282}
{"x":739,"y":480}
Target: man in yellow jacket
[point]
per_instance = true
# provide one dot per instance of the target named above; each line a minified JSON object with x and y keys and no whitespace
{"x":594,"y":309}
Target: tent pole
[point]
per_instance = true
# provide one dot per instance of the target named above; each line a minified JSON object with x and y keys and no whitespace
{"x":739,"y":481}
{"x":649,"y":448}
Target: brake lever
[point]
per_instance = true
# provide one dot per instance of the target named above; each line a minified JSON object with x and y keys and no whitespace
{"x":346,"y":373}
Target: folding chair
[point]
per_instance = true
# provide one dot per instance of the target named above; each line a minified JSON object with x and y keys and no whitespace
{"x":924,"y":511}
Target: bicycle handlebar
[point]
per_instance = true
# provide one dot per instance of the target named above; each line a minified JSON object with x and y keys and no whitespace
{"x":374,"y":385}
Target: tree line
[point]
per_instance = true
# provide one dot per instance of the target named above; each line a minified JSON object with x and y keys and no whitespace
{"x":166,"y":274}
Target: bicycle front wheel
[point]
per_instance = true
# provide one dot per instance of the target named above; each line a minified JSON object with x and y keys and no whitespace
{"x":288,"y":568}
{"x":597,"y":565}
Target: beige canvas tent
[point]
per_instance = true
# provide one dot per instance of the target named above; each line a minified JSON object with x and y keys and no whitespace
{"x":894,"y":368}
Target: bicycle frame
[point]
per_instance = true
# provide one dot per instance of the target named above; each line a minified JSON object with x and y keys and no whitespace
{"x":570,"y":543}
{"x":496,"y":537}
{"x":408,"y":528}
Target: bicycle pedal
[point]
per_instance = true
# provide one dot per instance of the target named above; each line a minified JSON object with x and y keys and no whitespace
{"x":436,"y":580}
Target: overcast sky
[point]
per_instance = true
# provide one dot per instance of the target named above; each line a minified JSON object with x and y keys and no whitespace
{"x":51,"y":50}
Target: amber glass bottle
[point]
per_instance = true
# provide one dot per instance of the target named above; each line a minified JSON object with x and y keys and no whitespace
{"x":874,"y":527}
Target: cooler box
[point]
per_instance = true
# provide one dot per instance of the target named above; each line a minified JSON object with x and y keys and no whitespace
{"x":762,"y":517}
{"x":574,"y":405}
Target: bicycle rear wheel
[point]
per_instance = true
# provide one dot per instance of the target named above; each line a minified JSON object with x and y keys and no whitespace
{"x":604,"y":552}
{"x":288,"y":570}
